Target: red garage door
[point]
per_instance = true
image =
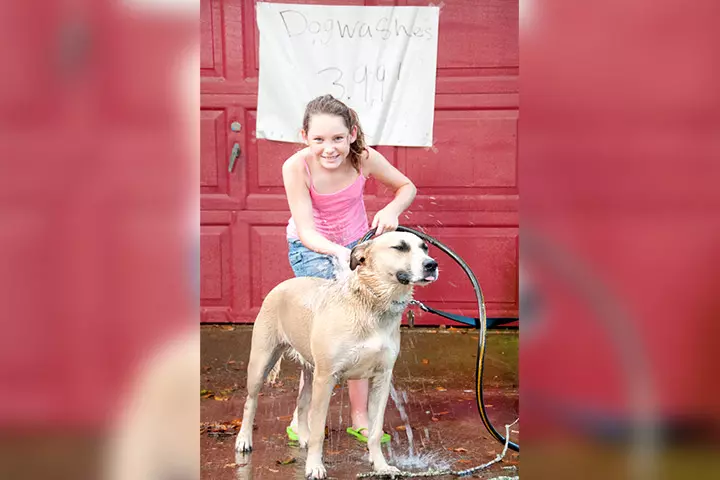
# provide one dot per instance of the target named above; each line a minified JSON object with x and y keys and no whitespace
{"x":467,"y":183}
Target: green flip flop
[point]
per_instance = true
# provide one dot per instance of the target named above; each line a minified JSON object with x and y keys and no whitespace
{"x":357,"y":434}
{"x":291,"y":434}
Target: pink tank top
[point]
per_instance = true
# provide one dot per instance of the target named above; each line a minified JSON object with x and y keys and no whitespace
{"x":340,"y":217}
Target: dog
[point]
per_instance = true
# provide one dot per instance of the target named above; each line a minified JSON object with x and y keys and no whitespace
{"x":338,"y":330}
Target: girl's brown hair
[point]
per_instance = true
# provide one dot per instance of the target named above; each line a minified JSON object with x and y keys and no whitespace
{"x":329,"y":105}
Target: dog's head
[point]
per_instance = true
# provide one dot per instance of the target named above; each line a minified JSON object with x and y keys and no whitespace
{"x":400,"y":257}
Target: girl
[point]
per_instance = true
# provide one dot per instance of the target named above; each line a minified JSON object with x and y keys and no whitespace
{"x":324,"y":184}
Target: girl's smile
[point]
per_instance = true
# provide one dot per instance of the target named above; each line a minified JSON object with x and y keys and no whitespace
{"x":329,"y":140}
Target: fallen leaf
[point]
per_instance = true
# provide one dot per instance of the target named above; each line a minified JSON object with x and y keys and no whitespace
{"x":229,"y":328}
{"x":284,"y":418}
{"x":400,"y":428}
{"x":230,"y":465}
{"x":460,"y":450}
{"x":435,"y":419}
{"x":463,"y":461}
{"x":442,"y":413}
{"x":230,"y":362}
{"x":274,"y":471}
{"x":425,"y":361}
{"x":220,"y":429}
{"x":206,"y":393}
{"x":334,"y":452}
{"x":221,"y":398}
{"x":286,"y":461}
{"x":441,"y":389}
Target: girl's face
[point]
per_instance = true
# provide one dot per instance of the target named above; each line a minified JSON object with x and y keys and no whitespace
{"x":329,"y":139}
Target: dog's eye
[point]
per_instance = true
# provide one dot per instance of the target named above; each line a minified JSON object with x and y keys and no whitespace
{"x":403,"y":247}
{"x":424,"y":247}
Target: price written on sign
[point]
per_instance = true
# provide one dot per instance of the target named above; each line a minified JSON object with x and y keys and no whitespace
{"x":366,"y":80}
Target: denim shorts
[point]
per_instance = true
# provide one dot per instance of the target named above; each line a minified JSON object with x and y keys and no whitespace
{"x":308,"y":263}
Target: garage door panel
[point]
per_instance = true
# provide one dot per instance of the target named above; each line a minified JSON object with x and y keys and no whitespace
{"x":472,"y":150}
{"x":222,"y":57}
{"x":215,"y":261}
{"x":476,"y":35}
{"x":212,"y":147}
{"x":219,"y":187}
{"x":491,"y":254}
{"x":270,"y":266}
{"x":477,"y":47}
{"x":264,"y":161}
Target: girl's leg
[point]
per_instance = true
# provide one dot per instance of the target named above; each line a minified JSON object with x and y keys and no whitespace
{"x":358,"y":402}
{"x":359,"y":407}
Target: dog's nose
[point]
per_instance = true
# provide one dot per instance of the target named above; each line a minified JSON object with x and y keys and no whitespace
{"x":430,"y":265}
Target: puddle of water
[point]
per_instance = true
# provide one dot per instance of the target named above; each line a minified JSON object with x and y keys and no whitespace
{"x":422,"y":461}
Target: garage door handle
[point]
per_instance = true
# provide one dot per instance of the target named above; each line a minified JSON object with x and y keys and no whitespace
{"x":234,"y":156}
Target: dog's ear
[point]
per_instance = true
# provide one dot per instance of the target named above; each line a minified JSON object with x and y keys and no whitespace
{"x":357,"y":255}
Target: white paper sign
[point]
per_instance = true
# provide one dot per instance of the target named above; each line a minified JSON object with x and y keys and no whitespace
{"x":381,"y":61}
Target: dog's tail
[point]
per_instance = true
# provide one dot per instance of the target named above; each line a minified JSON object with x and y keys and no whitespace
{"x":273,"y":375}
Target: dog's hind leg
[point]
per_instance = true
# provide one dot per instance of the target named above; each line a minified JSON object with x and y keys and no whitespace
{"x":377,"y":401}
{"x":274,"y":372}
{"x":303,"y":404}
{"x":264,"y":353}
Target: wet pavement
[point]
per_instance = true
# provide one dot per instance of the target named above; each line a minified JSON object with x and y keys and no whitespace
{"x":434,"y":379}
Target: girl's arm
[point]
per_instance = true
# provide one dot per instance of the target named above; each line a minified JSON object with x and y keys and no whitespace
{"x":300,"y":204}
{"x":376,"y":165}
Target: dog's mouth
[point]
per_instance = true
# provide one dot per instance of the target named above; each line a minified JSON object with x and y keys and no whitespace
{"x":406,"y":277}
{"x":428,"y":278}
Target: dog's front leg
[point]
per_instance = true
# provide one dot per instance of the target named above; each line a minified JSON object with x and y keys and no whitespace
{"x":377,"y":402}
{"x":322,"y":387}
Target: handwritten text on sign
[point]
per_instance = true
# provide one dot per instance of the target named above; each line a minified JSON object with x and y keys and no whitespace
{"x":379,"y":60}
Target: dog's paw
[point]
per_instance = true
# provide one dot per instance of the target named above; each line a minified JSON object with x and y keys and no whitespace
{"x":243,"y":443}
{"x":315,"y":471}
{"x":387,"y":470}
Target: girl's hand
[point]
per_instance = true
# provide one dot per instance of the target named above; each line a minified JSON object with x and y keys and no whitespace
{"x":343,"y":256}
{"x":386,"y":220}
